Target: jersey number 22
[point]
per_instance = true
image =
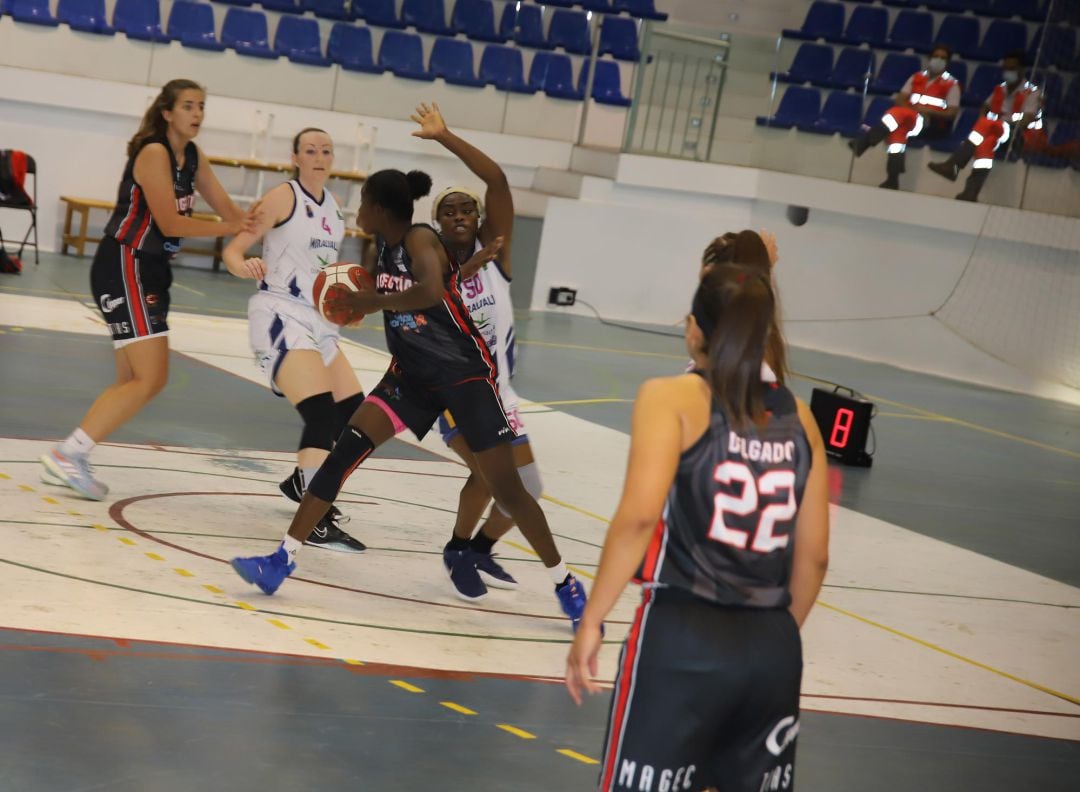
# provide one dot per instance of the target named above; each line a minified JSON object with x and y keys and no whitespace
{"x":728,"y":508}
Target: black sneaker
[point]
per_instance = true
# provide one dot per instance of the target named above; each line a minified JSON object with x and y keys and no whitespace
{"x":329,"y":537}
{"x":293,"y":489}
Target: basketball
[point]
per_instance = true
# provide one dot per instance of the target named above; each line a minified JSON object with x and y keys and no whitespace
{"x":332,"y":281}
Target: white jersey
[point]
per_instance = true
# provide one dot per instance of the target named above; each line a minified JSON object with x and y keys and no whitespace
{"x":487,"y":295}
{"x":296,"y":249}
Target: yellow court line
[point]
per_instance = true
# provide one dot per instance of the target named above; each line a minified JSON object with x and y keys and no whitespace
{"x":532,"y":552}
{"x":514,"y":730}
{"x":154,"y":557}
{"x":126,"y":541}
{"x":401,"y":683}
{"x":941,"y":418}
{"x":26,"y":488}
{"x":954,"y":655}
{"x":245,"y":606}
{"x":457,"y":708}
{"x":578,"y":401}
{"x":188,"y":288}
{"x":74,"y":513}
{"x":212,"y":589}
{"x":350,"y":661}
{"x":580,"y":757}
{"x":316,"y":644}
{"x":578,"y":509}
{"x":182,"y":572}
{"x":99,"y":527}
{"x":53,"y":501}
{"x":5,"y":476}
{"x":587,"y":348}
{"x":279,"y":624}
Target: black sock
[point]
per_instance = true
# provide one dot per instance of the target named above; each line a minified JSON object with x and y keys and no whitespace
{"x":457,"y":543}
{"x":566,"y":582}
{"x":481,"y":543}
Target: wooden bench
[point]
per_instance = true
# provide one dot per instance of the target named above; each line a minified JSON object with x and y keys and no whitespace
{"x":79,"y":240}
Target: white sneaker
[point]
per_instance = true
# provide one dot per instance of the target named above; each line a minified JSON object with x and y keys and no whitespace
{"x":74,"y":472}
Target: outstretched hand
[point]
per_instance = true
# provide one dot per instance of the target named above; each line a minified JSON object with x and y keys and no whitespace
{"x":481,"y":257}
{"x":432,"y":125}
{"x":581,"y":662}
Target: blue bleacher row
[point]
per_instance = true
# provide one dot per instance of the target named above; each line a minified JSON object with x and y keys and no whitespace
{"x":801,"y":108}
{"x":523,"y":24}
{"x":349,"y":45}
{"x":1031,"y":10}
{"x":1054,"y":44}
{"x":814,"y":64}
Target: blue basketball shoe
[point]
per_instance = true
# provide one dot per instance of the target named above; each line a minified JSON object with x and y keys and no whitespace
{"x":266,"y":572}
{"x":572,"y":600}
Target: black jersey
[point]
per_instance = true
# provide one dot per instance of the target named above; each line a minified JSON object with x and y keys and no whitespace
{"x":131,"y":223}
{"x":726,"y":534}
{"x":436,"y":346}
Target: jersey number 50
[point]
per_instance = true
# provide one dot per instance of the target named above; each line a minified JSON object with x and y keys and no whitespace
{"x":745,"y":504}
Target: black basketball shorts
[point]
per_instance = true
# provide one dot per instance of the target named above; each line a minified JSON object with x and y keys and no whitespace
{"x":131,"y":291}
{"x":706,"y":697}
{"x":474,"y":403}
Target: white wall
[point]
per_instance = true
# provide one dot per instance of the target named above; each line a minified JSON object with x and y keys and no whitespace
{"x":866,"y":276}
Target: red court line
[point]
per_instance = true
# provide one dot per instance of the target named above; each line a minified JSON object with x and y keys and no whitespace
{"x":116,"y":512}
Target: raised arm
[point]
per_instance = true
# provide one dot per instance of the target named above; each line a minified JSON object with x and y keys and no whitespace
{"x":153,"y":173}
{"x":498,"y":201}
{"x":811,"y":526}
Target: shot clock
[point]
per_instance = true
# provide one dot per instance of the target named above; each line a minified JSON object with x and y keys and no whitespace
{"x":844,"y":422}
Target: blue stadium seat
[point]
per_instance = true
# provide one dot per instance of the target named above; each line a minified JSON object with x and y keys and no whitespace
{"x":427,"y":16}
{"x":138,"y":19}
{"x":1055,"y":46}
{"x":878,"y":107}
{"x":812,"y":63}
{"x":403,"y":54}
{"x":246,"y":32}
{"x":1053,"y":88}
{"x":297,"y":38}
{"x":453,"y":61}
{"x":841,"y":113}
{"x":328,"y":9}
{"x":192,"y":24}
{"x":851,"y":69}
{"x":350,"y":46}
{"x":904,"y":3}
{"x":503,"y":67}
{"x":894,"y":72}
{"x":607,"y":85}
{"x":961,"y":129}
{"x":1002,"y":36}
{"x":619,"y":37}
{"x":824,"y":20}
{"x":570,"y":30}
{"x":644,"y":9}
{"x":958,"y":6}
{"x":866,"y":25}
{"x":603,"y":6}
{"x":977,"y":91}
{"x":798,"y":106}
{"x":476,"y":19}
{"x":1063,"y":132}
{"x":912,"y":30}
{"x":1070,"y":102}
{"x":959,"y":32}
{"x":560,"y":3}
{"x":85,"y":15}
{"x":283,"y":6}
{"x":552,"y":74}
{"x":524,"y":25}
{"x":376,"y":12}
{"x":236,"y":2}
{"x":959,"y":70}
{"x":36,"y":12}
{"x":1029,"y":9}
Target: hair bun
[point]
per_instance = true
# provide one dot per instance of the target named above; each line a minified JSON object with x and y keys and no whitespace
{"x":419,"y":183}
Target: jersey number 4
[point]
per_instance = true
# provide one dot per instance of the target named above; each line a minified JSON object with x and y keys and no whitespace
{"x":730,"y":508}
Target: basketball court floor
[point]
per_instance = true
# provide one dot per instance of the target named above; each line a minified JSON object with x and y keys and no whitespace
{"x":943,"y":654}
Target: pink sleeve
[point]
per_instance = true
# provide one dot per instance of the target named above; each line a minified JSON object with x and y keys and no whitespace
{"x":907,"y":86}
{"x":953,"y":99}
{"x":1033,"y":102}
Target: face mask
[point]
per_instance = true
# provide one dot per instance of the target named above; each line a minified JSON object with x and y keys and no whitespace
{"x":1011,"y":77}
{"x":937,"y":65}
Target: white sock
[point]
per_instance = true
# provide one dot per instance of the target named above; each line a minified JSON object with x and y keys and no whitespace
{"x":558,"y":573}
{"x":306,"y":475}
{"x":78,"y":443}
{"x":291,"y":547}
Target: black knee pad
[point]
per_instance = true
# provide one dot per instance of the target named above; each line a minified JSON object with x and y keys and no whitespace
{"x":318,"y":414}
{"x":352,"y":448}
{"x":344,"y":410}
